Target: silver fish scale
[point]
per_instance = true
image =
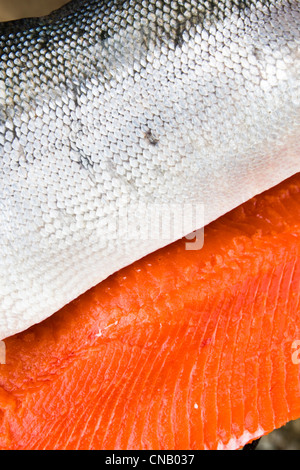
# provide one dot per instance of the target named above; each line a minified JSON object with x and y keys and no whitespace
{"x":107,"y":107}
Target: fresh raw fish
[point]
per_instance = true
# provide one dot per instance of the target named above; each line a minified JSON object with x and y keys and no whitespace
{"x":181,"y":350}
{"x":109,"y":106}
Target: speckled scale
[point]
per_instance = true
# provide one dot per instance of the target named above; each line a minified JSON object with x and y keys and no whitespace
{"x":105,"y":106}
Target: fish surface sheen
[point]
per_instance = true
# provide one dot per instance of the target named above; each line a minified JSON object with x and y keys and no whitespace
{"x":111,"y":106}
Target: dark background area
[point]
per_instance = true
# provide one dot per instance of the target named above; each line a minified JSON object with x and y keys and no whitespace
{"x":285,"y":438}
{"x":12,"y":9}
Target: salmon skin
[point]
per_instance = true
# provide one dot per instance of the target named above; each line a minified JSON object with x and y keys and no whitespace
{"x":109,"y":106}
{"x":181,"y":350}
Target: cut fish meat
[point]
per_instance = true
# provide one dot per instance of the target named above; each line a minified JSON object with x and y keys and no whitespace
{"x":180,"y":350}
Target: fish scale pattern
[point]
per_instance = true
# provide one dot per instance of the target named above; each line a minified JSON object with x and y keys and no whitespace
{"x":197,"y":354}
{"x":106,"y":105}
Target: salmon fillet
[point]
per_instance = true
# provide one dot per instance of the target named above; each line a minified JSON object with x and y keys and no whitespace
{"x":180,"y":350}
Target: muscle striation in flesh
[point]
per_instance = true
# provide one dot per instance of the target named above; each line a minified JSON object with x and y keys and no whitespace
{"x":107,"y":105}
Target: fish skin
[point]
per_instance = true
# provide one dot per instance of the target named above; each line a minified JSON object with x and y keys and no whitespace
{"x":181,"y":350}
{"x":107,"y":105}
